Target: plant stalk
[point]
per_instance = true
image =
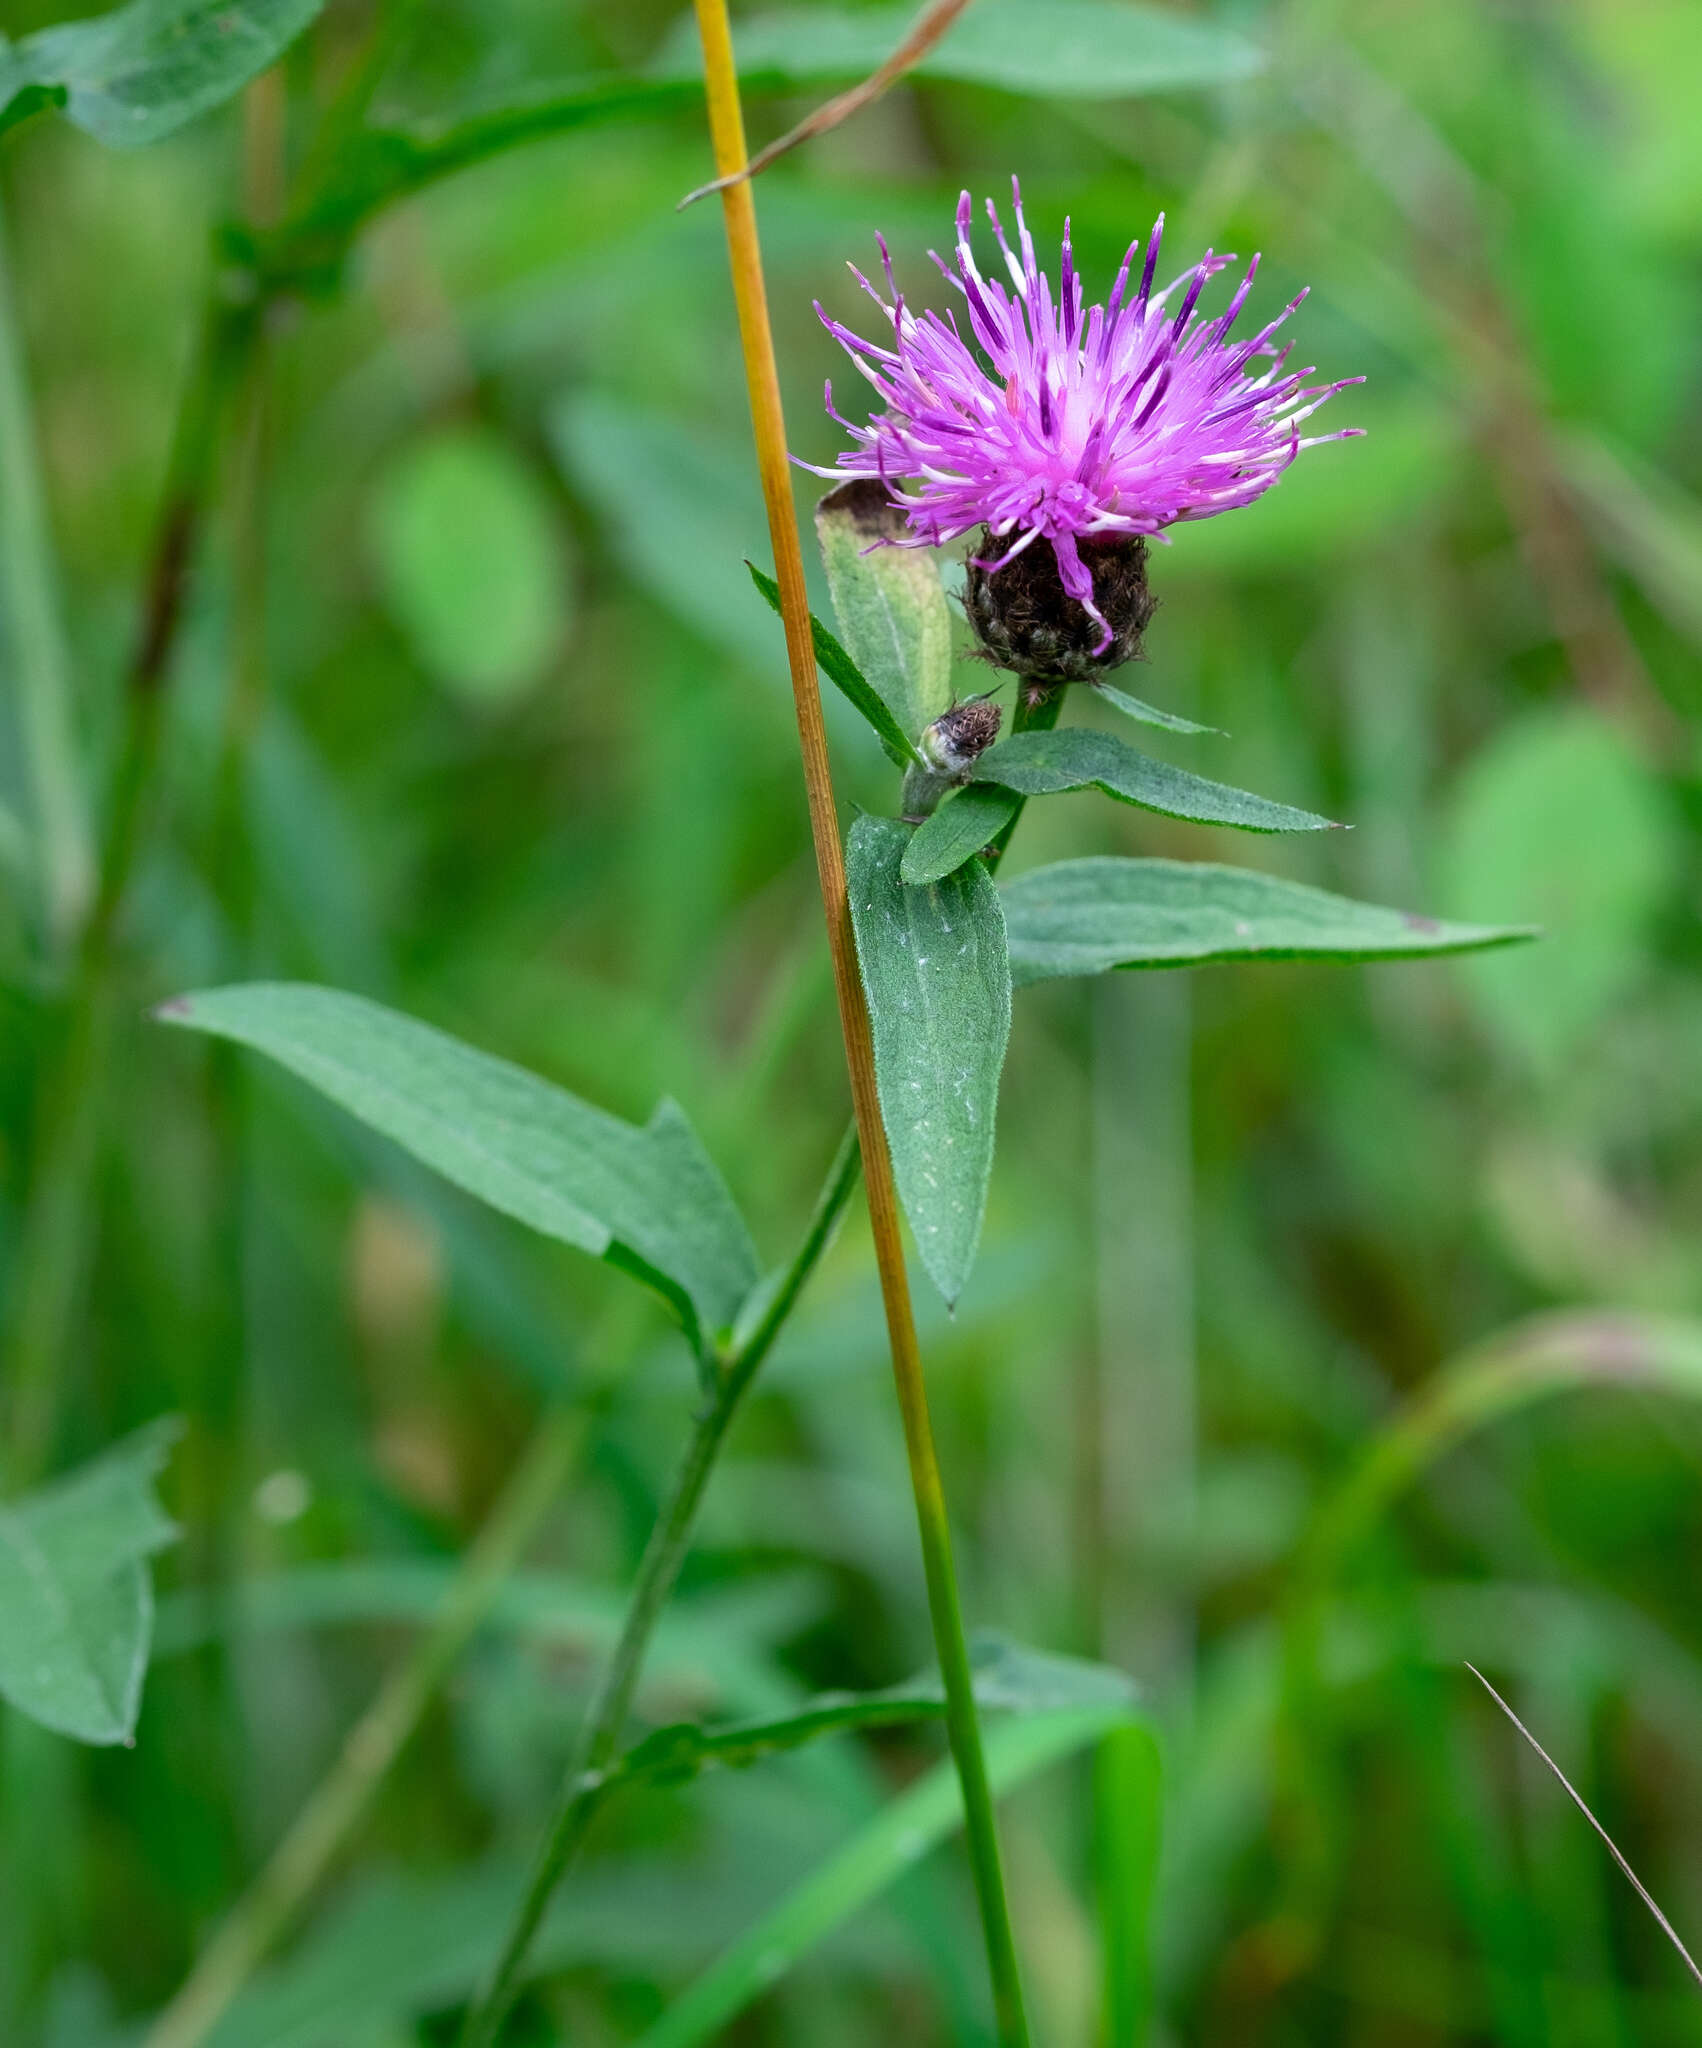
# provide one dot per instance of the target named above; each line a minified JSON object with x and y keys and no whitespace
{"x":606,"y":1717}
{"x":726,"y":124}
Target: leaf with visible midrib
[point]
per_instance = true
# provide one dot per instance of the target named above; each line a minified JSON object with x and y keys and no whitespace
{"x":141,"y":72}
{"x":938,"y":985}
{"x":956,"y":832}
{"x":1009,"y":1678}
{"x":889,"y":601}
{"x":1088,"y":916}
{"x":848,"y":679}
{"x":76,"y":1598}
{"x":1077,"y":757}
{"x":649,"y":1200}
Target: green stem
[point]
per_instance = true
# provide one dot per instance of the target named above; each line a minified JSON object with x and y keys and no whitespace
{"x":611,"y":1705}
{"x":35,"y":632}
{"x":1037,"y":706}
{"x":57,"y":1225}
{"x":372,"y":1745}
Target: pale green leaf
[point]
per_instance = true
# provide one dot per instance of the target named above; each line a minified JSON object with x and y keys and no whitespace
{"x":1075,"y":49}
{"x":141,"y":72}
{"x":1077,"y":757}
{"x":76,"y":1596}
{"x":938,"y":985}
{"x":923,"y":1815}
{"x":1008,"y":1677}
{"x":472,"y":561}
{"x":1088,"y":916}
{"x":848,"y":679}
{"x":889,"y":601}
{"x":956,"y":832}
{"x":1556,"y":820}
{"x":649,"y":1200}
{"x":1147,"y":714}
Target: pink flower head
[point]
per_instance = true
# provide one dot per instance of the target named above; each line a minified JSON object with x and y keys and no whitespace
{"x":1121,"y":422}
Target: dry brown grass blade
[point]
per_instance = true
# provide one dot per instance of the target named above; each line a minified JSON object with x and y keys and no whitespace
{"x":931,"y":24}
{"x":1637,"y":1883}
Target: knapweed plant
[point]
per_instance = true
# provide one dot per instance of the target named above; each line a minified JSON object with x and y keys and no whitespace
{"x":988,"y":545}
{"x":1061,"y":437}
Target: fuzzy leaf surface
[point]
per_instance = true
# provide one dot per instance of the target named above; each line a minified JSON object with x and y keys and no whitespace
{"x":1008,"y":1679}
{"x":1147,"y":714}
{"x":938,"y":983}
{"x":1049,"y":763}
{"x":1088,"y":916}
{"x":646,"y":1199}
{"x":848,"y":679}
{"x":956,"y":832}
{"x":143,"y":71}
{"x":889,"y":601}
{"x":76,"y":1596}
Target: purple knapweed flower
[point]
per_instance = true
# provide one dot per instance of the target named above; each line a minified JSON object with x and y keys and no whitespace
{"x":1074,"y":429}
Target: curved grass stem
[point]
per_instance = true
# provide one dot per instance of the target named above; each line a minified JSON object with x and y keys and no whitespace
{"x":726,"y":123}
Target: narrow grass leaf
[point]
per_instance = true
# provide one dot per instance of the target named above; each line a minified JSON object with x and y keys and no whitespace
{"x":1148,"y":714}
{"x":1127,"y":1809}
{"x":1050,"y":763}
{"x":141,"y":72}
{"x":937,"y":979}
{"x":846,"y":677}
{"x":648,"y":1200}
{"x":889,"y":601}
{"x":956,"y":832}
{"x":878,"y":1854}
{"x":1089,"y":916}
{"x":76,"y":1596}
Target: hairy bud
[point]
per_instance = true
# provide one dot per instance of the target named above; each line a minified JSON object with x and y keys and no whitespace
{"x":958,"y":737}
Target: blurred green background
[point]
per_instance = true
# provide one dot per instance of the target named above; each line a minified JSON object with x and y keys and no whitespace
{"x":474,"y":711}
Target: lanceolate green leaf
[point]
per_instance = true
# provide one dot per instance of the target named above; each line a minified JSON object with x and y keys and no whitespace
{"x":1008,"y":1679}
{"x":890,"y":602}
{"x":956,"y":832}
{"x":938,"y":984}
{"x":1049,"y":763}
{"x":648,"y":1200}
{"x":849,"y":680}
{"x":1077,"y":49}
{"x":76,"y":1598}
{"x":1088,"y":916}
{"x":1147,"y":714}
{"x":141,"y":72}
{"x":875,"y":1856}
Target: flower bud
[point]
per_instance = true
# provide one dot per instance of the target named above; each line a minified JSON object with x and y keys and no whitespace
{"x":1027,"y":621}
{"x":958,"y":737}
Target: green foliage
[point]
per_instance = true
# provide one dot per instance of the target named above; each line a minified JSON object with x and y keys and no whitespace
{"x":76,"y":1597}
{"x":1127,"y":1825}
{"x":1009,"y":1679}
{"x":648,"y":1200}
{"x":848,"y":679}
{"x":939,"y":991}
{"x":903,"y":1831}
{"x":889,"y":603}
{"x":472,"y":564}
{"x":1146,"y":714}
{"x":1558,"y":817}
{"x":1088,"y":49}
{"x":966,"y":822}
{"x":1088,"y":916}
{"x":1077,"y":757}
{"x":140,"y":73}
